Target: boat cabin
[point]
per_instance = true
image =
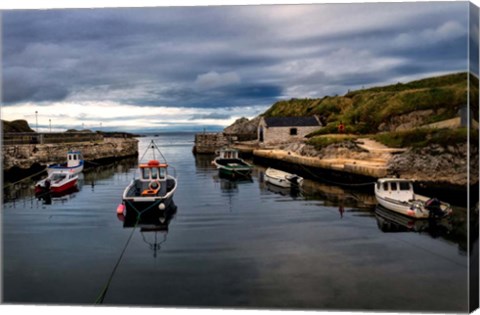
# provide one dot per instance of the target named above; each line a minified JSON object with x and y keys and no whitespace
{"x":398,"y":189}
{"x":73,"y":158}
{"x":152,"y":173}
{"x":228,"y":154}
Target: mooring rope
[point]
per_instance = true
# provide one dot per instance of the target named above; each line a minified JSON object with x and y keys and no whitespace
{"x":102,"y":295}
{"x":21,"y":180}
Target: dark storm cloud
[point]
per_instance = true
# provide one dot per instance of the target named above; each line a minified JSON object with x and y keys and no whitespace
{"x":211,"y":57}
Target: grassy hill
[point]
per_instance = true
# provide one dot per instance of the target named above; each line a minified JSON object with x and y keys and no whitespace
{"x":16,"y":126}
{"x":364,"y":111}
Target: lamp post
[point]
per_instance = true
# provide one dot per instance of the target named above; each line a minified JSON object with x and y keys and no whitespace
{"x":36,"y":119}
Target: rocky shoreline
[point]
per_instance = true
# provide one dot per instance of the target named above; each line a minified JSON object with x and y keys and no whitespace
{"x":23,"y":160}
{"x":431,"y":166}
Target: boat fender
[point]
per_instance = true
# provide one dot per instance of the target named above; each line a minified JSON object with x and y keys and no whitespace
{"x":121,"y":209}
{"x":161,"y":206}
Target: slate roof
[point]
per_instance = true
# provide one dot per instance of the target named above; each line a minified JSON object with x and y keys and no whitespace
{"x":291,"y":121}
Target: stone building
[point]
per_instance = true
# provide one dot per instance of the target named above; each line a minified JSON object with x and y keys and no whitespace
{"x":273,"y":130}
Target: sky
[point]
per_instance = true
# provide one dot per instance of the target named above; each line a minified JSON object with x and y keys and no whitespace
{"x":195,"y":68}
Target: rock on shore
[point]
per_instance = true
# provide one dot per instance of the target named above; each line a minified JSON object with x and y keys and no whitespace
{"x":435,"y":163}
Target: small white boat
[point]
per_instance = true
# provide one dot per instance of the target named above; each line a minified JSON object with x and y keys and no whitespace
{"x":56,"y":182}
{"x":398,"y":195}
{"x":282,"y":179}
{"x":74,"y":164}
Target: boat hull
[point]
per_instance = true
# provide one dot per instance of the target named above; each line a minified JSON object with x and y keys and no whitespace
{"x":64,"y":187}
{"x":280,"y":182}
{"x":56,"y":188}
{"x":407,"y":208}
{"x":62,"y":168}
{"x":234,"y":168}
{"x":282,"y":179}
{"x":404,"y":208}
{"x":136,"y":204}
{"x":147,"y":206}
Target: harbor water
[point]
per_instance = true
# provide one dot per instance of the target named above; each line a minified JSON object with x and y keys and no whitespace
{"x":241,"y":244}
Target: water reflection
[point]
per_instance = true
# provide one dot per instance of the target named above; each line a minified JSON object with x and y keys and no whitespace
{"x":389,"y":221}
{"x":153,"y":226}
{"x":49,"y":197}
{"x":204,"y":162}
{"x":90,"y":176}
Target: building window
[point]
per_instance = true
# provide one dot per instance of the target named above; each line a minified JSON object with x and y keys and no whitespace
{"x":293,"y":131}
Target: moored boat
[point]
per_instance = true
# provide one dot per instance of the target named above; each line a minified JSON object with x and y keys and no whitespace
{"x":153,"y":190}
{"x":56,"y":182}
{"x":282,"y":179}
{"x":74,"y":164}
{"x":397,"y":195}
{"x":229,"y":164}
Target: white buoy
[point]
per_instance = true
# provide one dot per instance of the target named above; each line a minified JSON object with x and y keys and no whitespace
{"x":161,"y":206}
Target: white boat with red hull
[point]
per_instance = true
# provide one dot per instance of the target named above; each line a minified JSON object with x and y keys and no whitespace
{"x":57,"y":182}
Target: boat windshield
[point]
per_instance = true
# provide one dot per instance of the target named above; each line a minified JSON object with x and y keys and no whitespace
{"x":58,"y":176}
{"x":153,"y":173}
{"x":404,"y":186}
{"x":145,"y":173}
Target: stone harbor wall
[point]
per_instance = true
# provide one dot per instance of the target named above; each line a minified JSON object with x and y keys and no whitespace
{"x":25,"y":155}
{"x":208,"y":143}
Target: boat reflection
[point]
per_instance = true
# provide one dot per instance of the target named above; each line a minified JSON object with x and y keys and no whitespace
{"x":153,"y":226}
{"x":392,"y":222}
{"x":293,"y":192}
{"x":204,"y":162}
{"x":228,"y":184}
{"x":48,"y":197}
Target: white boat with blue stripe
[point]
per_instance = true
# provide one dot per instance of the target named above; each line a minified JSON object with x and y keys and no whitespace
{"x":74,"y":164}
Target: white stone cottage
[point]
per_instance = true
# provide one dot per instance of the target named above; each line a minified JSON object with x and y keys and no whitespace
{"x":272,"y":130}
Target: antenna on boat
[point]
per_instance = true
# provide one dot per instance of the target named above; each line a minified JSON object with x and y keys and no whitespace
{"x":153,"y":146}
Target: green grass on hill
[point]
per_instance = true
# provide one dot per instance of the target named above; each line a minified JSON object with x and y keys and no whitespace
{"x":418,"y":138}
{"x":320,"y":142}
{"x":363,"y":111}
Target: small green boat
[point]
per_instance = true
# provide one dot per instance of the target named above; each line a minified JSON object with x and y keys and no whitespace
{"x":229,"y":164}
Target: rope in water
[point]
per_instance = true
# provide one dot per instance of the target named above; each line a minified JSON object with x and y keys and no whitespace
{"x":21,"y":180}
{"x":102,"y":294}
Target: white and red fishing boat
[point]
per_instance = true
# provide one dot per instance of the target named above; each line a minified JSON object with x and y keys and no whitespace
{"x":153,"y":190}
{"x":74,"y":164}
{"x":56,"y":182}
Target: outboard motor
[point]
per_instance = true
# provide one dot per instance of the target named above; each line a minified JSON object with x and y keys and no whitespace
{"x":433,"y":206}
{"x":294,"y":180}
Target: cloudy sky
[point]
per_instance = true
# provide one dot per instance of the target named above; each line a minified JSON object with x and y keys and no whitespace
{"x":189,"y":68}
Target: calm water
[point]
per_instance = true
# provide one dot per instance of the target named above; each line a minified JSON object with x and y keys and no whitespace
{"x":229,"y":244}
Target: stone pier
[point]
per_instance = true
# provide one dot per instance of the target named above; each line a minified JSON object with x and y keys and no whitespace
{"x":24,"y":156}
{"x":209,"y":142}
